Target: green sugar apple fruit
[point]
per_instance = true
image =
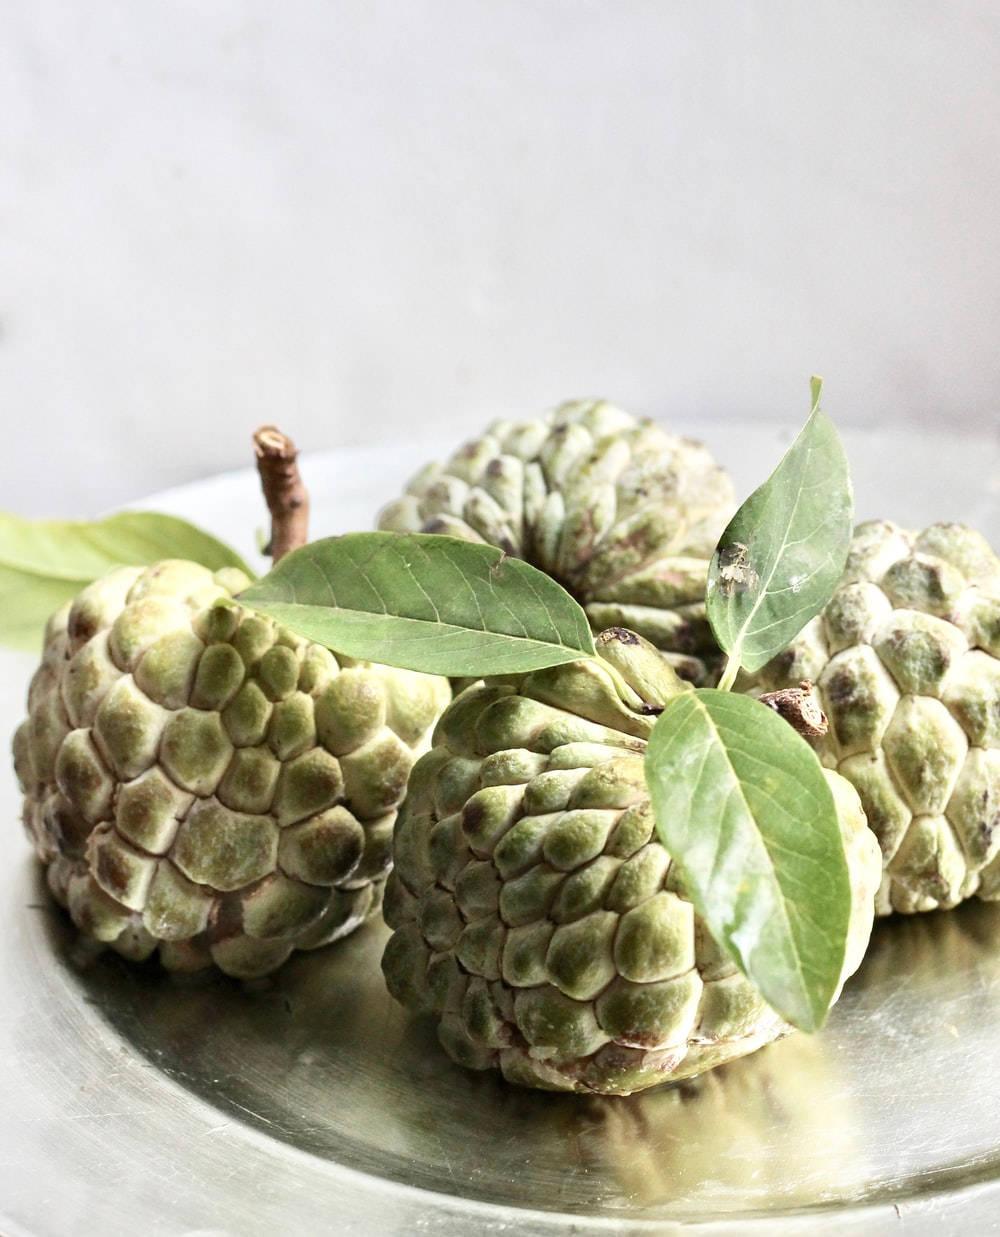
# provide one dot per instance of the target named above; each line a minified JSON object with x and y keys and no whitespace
{"x":201,"y":782}
{"x":624,"y":515}
{"x":536,"y":914}
{"x":905,"y":661}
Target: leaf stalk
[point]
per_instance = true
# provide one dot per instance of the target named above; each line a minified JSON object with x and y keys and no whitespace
{"x":732,"y":669}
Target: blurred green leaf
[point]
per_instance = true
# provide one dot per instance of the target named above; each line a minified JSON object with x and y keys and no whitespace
{"x":44,"y":563}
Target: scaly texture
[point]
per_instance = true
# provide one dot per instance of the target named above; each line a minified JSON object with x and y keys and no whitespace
{"x":200,"y":781}
{"x":905,"y":662}
{"x":538,"y":916}
{"x":624,"y":515}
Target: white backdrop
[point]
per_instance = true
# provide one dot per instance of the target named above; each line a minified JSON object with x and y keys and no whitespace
{"x":370,"y":220}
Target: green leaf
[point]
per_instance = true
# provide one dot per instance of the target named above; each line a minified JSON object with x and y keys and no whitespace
{"x":780,"y":558}
{"x":425,"y":602}
{"x":44,"y":563}
{"x":744,"y":808}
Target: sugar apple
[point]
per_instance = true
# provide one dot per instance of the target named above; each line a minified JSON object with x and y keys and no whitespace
{"x":624,"y":515}
{"x":535,"y":911}
{"x":199,"y":781}
{"x":905,"y":662}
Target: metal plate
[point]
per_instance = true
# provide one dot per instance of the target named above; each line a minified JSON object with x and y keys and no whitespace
{"x":137,"y":1102}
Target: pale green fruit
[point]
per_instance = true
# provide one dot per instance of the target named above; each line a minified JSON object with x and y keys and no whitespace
{"x":200,"y":781}
{"x":624,"y":515}
{"x":905,"y":662}
{"x":537,"y":915}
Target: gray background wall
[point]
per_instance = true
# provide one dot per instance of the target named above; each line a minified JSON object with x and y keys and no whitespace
{"x":372,"y":220}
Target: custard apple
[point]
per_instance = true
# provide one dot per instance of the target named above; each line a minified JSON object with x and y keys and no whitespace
{"x":905,"y":662}
{"x":537,"y":915}
{"x":201,"y":782}
{"x":624,"y":515}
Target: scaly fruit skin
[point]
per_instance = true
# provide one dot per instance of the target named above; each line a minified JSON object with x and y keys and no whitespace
{"x":905,"y":661}
{"x":202,"y":782}
{"x":624,"y":515}
{"x":537,"y":914}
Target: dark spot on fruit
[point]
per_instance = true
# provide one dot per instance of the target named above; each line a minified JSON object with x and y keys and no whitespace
{"x":690,"y":669}
{"x":112,"y":871}
{"x":81,"y":627}
{"x":842,"y":688}
{"x":66,"y":827}
{"x":621,"y":634}
{"x":931,"y":881}
{"x":472,"y":816}
{"x":225,"y":920}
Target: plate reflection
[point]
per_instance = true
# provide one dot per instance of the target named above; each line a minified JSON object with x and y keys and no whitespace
{"x":894,"y":1098}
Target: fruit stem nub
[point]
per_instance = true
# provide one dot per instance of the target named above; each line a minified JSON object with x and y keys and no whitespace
{"x":799,"y":707}
{"x":640,"y":666}
{"x":284,"y":492}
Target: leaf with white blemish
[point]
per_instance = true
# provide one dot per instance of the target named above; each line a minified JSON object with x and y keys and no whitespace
{"x":784,"y":551}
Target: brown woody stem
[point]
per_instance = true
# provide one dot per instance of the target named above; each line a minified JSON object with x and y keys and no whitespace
{"x":799,"y":707}
{"x":286,"y":496}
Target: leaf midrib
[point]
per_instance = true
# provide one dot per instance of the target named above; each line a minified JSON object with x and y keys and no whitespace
{"x":435,"y":627}
{"x":739,"y":790}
